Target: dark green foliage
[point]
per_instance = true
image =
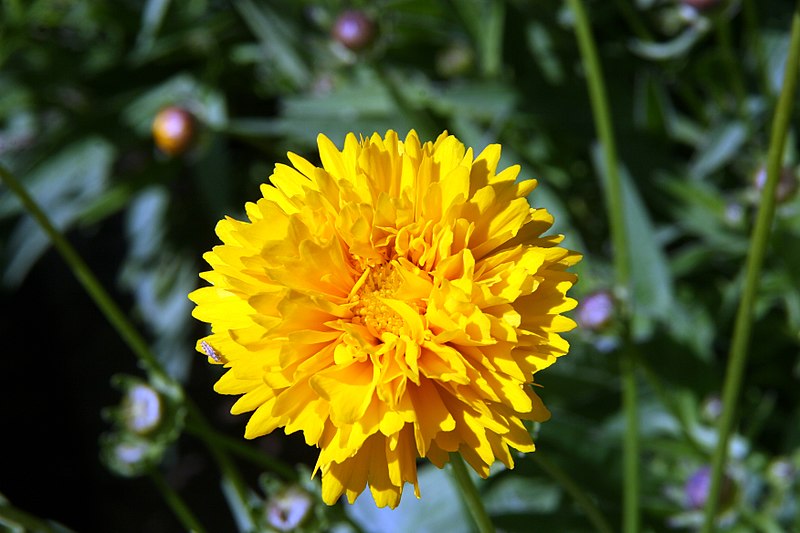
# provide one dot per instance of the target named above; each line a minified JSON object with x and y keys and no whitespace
{"x":692,"y":95}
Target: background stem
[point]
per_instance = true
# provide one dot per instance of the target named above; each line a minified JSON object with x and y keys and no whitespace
{"x":127,"y":331}
{"x":176,"y":503}
{"x":755,"y":260}
{"x":573,"y":489}
{"x":615,"y":208}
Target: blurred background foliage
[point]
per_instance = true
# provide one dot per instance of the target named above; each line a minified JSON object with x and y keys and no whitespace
{"x":692,"y":86}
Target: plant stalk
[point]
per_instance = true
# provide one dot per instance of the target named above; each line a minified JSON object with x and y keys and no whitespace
{"x":124,"y":327}
{"x":615,"y":207}
{"x":755,"y":259}
{"x":573,"y":489}
{"x":469,"y":492}
{"x":176,"y":503}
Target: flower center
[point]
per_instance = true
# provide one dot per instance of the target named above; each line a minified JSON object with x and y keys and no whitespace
{"x":376,"y":284}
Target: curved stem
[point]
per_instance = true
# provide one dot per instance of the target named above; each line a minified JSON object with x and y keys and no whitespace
{"x":176,"y":503}
{"x":237,"y":496}
{"x":107,"y":306}
{"x":581,"y":498}
{"x":469,"y":492}
{"x":209,"y":434}
{"x":127,"y":331}
{"x":755,"y":259}
{"x":615,"y":207}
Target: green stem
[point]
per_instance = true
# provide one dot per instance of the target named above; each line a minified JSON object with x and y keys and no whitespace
{"x":469,"y":492}
{"x":581,"y":498}
{"x":176,"y":503}
{"x":93,"y":287}
{"x":630,"y":456}
{"x":605,"y":132}
{"x":123,"y":326}
{"x":755,"y":259}
{"x":615,"y":206}
{"x":226,"y":466}
{"x":236,"y":446}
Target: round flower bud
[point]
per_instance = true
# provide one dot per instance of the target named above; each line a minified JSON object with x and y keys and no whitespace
{"x":596,"y":310}
{"x":787,"y":183}
{"x":142,"y":409}
{"x":173,"y":130}
{"x":288,"y":509}
{"x":698,"y":486}
{"x":354,"y":29}
{"x":701,"y":5}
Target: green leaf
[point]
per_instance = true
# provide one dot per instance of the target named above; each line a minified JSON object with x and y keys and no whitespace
{"x":64,"y":186}
{"x":152,"y":17}
{"x":204,"y":102}
{"x":541,"y":46}
{"x":514,"y":494}
{"x":651,"y":280}
{"x":278,"y":40}
{"x":723,"y":144}
{"x":677,"y":47}
{"x":437,"y":510}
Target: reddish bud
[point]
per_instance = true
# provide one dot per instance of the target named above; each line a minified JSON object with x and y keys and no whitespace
{"x":354,"y":29}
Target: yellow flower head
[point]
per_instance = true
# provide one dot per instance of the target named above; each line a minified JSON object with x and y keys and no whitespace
{"x":393,"y":303}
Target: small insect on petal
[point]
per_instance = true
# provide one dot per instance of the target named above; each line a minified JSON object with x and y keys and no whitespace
{"x":211,"y":352}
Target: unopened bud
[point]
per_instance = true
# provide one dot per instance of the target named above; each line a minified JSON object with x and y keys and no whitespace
{"x":173,"y":130}
{"x":596,"y":310}
{"x":354,"y":29}
{"x":288,"y":509}
{"x":142,"y":409}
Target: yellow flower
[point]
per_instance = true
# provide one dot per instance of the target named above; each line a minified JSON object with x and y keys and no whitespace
{"x":393,"y":303}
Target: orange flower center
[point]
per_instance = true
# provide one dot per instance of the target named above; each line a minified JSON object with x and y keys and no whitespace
{"x":375,"y":285}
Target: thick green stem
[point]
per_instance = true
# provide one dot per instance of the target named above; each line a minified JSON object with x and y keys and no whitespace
{"x":176,"y":503}
{"x":469,"y":492}
{"x":573,"y":489}
{"x":615,"y":207}
{"x":755,"y":259}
